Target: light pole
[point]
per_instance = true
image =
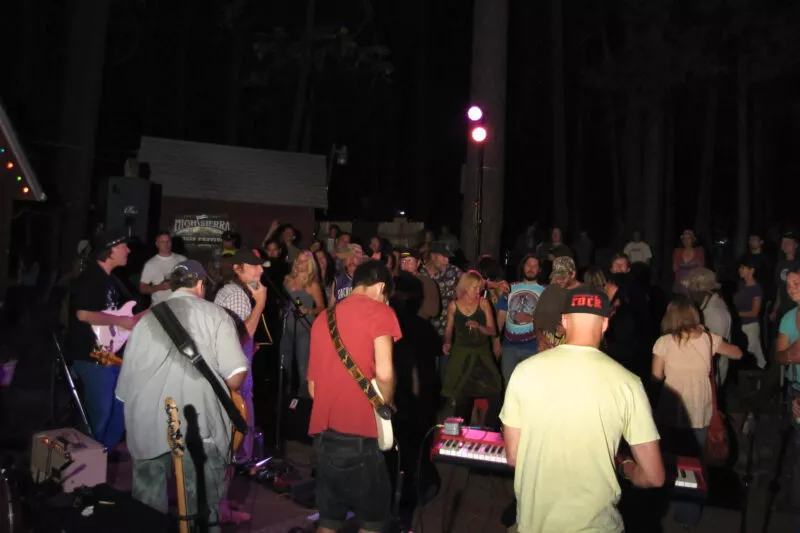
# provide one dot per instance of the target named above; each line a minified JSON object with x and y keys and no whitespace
{"x":478,"y":135}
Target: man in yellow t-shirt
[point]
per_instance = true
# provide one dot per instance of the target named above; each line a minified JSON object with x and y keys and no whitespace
{"x":565,"y":412}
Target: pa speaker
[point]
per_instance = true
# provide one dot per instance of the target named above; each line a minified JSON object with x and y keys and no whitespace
{"x":132,"y":204}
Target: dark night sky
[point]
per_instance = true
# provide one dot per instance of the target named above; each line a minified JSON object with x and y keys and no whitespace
{"x":168,"y":73}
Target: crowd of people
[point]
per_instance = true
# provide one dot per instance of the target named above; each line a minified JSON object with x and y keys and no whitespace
{"x":566,"y":359}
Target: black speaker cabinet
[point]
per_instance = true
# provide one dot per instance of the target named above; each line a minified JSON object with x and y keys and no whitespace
{"x":133,"y":204}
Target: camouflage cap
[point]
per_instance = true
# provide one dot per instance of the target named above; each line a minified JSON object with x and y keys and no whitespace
{"x":701,"y":280}
{"x":562,"y":267}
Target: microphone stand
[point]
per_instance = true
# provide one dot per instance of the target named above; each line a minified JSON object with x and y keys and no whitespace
{"x":301,"y":317}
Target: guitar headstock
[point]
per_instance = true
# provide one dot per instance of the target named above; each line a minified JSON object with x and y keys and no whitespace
{"x":174,"y":435}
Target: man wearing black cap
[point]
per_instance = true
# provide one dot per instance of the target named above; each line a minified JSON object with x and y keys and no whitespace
{"x":446,"y":277}
{"x":95,"y":291}
{"x":154,"y":370}
{"x":410,"y":261}
{"x":244,"y":297}
{"x":565,"y":412}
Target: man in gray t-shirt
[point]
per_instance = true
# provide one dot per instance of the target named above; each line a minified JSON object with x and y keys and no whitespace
{"x":153,"y":369}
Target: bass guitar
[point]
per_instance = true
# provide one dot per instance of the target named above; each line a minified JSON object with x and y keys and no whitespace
{"x":109,"y":340}
{"x":176,"y":446}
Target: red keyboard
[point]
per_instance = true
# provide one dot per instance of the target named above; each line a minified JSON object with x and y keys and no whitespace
{"x":473,"y":447}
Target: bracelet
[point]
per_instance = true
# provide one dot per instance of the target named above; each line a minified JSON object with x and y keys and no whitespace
{"x":622,"y":468}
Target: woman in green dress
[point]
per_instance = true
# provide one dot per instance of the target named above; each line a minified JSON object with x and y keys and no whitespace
{"x":472,"y":371}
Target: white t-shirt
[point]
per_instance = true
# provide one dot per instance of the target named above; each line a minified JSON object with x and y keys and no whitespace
{"x":638,"y":252}
{"x":156,"y":270}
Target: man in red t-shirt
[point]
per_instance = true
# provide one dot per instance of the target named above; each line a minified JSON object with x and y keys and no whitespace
{"x":352,"y":473}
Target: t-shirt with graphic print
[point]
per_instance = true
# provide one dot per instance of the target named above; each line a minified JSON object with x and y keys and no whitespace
{"x":519,"y":302}
{"x":782,"y":270}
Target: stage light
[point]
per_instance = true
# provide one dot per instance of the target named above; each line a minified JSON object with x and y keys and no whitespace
{"x":2,"y":150}
{"x":9,"y":165}
{"x":19,"y":178}
{"x":479,"y":134}
{"x":25,"y":190}
{"x":475,"y":113}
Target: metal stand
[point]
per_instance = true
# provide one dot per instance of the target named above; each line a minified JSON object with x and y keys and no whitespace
{"x":299,"y":318}
{"x":61,"y":364}
{"x":479,"y":205}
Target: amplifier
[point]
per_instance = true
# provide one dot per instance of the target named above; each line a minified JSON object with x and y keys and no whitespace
{"x":68,"y":457}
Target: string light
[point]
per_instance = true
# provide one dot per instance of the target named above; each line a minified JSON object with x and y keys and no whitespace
{"x":25,"y":190}
{"x":9,"y":165}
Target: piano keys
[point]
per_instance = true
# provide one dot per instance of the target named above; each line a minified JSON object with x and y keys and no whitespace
{"x":686,"y":478}
{"x":472,"y":448}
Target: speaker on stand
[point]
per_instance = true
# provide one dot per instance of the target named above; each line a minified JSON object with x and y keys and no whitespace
{"x":131,"y":203}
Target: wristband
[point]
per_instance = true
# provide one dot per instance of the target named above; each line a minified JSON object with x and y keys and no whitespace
{"x":622,"y":468}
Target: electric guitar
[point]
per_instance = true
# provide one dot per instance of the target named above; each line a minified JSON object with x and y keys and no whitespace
{"x":110,"y":339}
{"x":176,"y":446}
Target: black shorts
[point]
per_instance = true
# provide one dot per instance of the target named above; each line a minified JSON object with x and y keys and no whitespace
{"x":351,"y":476}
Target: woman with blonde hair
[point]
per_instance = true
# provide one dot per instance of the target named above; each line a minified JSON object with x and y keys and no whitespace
{"x":682,"y":359}
{"x":302,"y":286}
{"x":472,"y":371}
{"x":685,"y":259}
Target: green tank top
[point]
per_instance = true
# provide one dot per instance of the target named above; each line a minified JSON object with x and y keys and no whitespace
{"x":463,"y":335}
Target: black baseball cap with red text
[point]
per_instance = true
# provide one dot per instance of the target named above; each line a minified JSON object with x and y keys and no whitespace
{"x":587,"y":300}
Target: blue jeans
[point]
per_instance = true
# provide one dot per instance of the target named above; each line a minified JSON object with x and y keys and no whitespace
{"x":150,"y":483}
{"x":512,"y":356}
{"x":104,"y":411}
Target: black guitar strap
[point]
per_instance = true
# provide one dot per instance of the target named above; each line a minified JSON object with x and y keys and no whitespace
{"x":186,"y":346}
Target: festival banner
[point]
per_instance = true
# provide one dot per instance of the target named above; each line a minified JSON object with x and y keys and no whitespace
{"x":200,"y":232}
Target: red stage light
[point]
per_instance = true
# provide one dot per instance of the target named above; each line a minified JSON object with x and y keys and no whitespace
{"x":479,"y":134}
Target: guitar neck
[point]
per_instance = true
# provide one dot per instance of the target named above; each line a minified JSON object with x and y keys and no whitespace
{"x":183,"y":524}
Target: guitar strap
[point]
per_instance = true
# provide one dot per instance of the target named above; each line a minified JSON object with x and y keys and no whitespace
{"x":186,"y":346}
{"x":383,"y":410}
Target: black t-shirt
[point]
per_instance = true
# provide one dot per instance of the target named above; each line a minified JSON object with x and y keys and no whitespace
{"x":781,"y":271}
{"x":92,"y":290}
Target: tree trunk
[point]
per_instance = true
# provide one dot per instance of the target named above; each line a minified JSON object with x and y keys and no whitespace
{"x":702,"y":224}
{"x":743,"y":174}
{"x":489,"y":52}
{"x":576,"y":223}
{"x":653,"y":173}
{"x":669,"y":231}
{"x":632,"y":149}
{"x":559,"y":141}
{"x":301,"y":95}
{"x":616,"y":181}
{"x":762,"y":185}
{"x":82,"y":91}
{"x":422,"y":188}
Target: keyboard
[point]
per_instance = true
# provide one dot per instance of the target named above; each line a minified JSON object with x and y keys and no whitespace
{"x":685,"y":475}
{"x":472,"y":448}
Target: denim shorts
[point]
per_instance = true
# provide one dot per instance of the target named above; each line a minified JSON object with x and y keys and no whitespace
{"x":351,"y":476}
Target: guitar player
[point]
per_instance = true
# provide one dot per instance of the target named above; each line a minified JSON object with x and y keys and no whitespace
{"x":92,"y":293}
{"x":155,"y":370}
{"x":351,"y":472}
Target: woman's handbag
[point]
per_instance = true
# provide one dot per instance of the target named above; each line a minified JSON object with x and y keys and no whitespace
{"x":717,"y":446}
